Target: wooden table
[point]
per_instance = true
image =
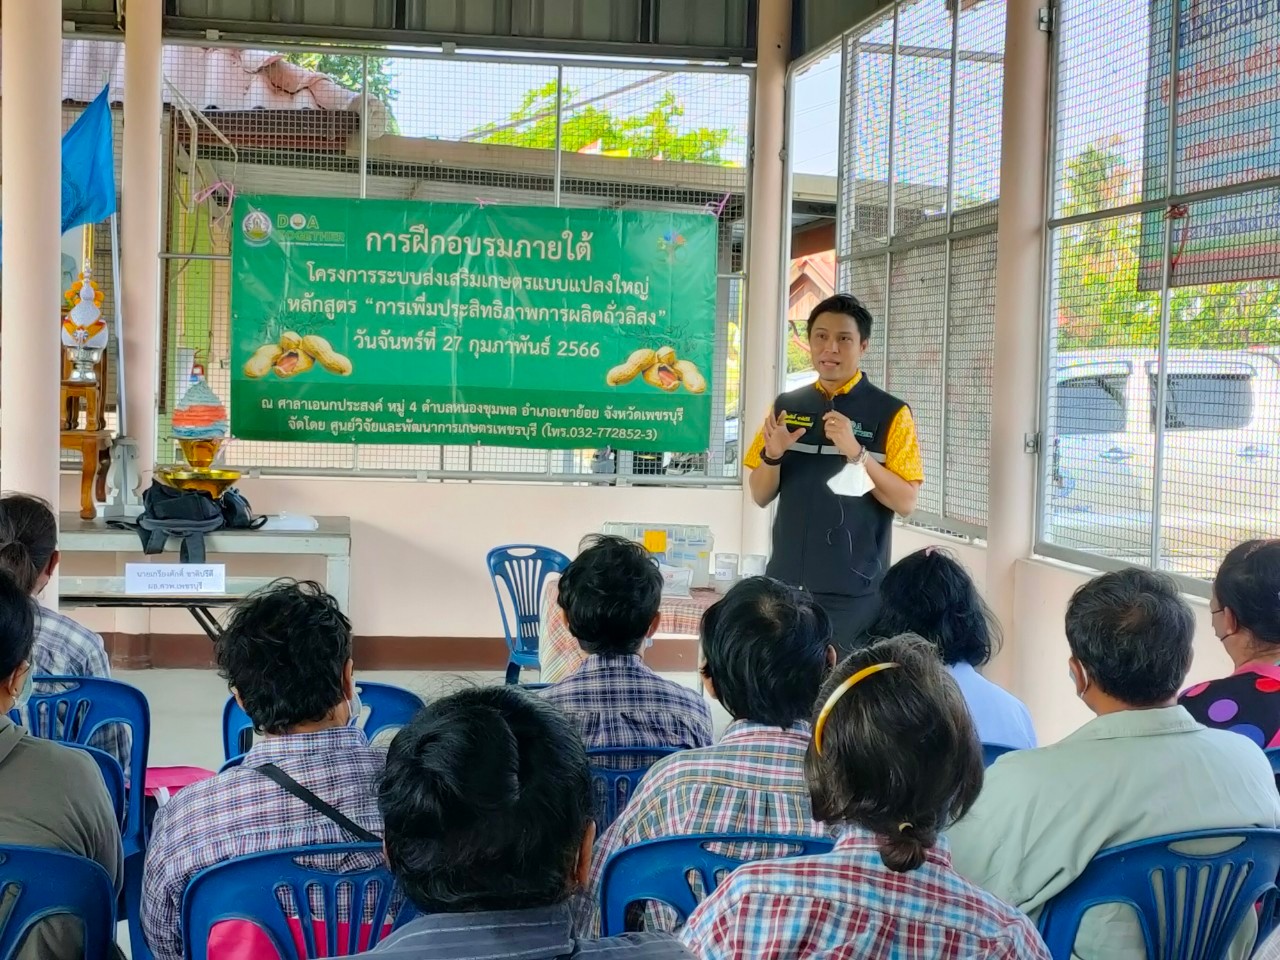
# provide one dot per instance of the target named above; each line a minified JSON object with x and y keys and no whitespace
{"x":559,"y":654}
{"x":332,"y":540}
{"x":95,"y":460}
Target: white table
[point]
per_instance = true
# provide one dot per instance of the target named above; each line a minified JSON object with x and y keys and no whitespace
{"x":332,"y":541}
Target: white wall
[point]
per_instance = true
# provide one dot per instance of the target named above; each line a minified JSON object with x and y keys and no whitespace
{"x":418,"y":549}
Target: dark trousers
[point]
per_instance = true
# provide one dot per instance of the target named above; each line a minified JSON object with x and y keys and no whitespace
{"x":850,"y":618}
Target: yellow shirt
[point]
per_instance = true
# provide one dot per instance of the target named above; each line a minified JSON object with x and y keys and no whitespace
{"x":901,"y":449}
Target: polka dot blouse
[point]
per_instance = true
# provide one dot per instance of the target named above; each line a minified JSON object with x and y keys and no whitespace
{"x":1247,"y":703}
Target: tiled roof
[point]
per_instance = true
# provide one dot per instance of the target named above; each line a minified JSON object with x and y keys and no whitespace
{"x":216,"y":78}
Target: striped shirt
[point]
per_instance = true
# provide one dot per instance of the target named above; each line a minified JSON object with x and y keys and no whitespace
{"x":540,"y":933}
{"x":241,"y":812}
{"x":619,"y":702}
{"x":65,"y":648}
{"x":848,"y":904}
{"x":752,"y":781}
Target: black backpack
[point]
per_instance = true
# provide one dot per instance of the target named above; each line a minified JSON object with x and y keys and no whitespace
{"x":236,"y":512}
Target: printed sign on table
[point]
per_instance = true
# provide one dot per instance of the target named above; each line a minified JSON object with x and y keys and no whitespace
{"x":397,"y":322}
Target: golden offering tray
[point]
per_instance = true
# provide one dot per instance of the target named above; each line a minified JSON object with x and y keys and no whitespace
{"x":212,"y":481}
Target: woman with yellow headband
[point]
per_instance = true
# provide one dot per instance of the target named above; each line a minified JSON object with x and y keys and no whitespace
{"x":894,"y":760}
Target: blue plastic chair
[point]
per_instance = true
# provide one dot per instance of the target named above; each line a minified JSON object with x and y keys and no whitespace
{"x":85,"y":705}
{"x":657,"y":870}
{"x":522,"y":569}
{"x":612,"y":785}
{"x":47,"y":883}
{"x":112,"y":776}
{"x":387,"y":706}
{"x":1190,"y":905}
{"x":991,"y":752}
{"x":1273,"y":754}
{"x":248,"y":889}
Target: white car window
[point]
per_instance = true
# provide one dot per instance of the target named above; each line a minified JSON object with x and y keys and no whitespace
{"x":1087,"y":405}
{"x":1213,"y":401}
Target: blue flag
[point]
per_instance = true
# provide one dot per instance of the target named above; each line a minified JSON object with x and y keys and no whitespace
{"x":88,"y":167}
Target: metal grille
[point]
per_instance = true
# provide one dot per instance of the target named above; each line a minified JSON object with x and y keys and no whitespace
{"x":971,"y":311}
{"x":919,"y":187}
{"x":446,"y":128}
{"x":1163,"y":374}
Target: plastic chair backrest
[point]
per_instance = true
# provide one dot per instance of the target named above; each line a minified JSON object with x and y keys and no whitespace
{"x":112,"y":776}
{"x":1190,"y":904}
{"x":991,"y":752}
{"x":522,"y":569}
{"x":613,"y":783}
{"x":1273,"y":754}
{"x":87,"y":704}
{"x":386,"y":706}
{"x":245,"y":894}
{"x":657,"y":870}
{"x":47,"y":883}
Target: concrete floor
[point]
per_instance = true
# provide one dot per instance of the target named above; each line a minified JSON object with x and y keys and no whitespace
{"x":186,"y":712}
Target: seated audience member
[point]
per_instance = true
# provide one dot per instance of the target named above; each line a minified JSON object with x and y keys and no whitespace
{"x":893,"y":761}
{"x":53,"y":795}
{"x":931,"y":595}
{"x":488,"y":810}
{"x":64,"y":648}
{"x":610,"y":596}
{"x":286,"y":655}
{"x":766,"y":648}
{"x":1141,"y":768}
{"x":1245,"y":605}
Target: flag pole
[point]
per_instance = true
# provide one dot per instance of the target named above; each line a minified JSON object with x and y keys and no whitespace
{"x":122,"y":419}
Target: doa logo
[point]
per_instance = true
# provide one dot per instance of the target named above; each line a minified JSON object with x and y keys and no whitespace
{"x":297,"y":221}
{"x":256,"y":228}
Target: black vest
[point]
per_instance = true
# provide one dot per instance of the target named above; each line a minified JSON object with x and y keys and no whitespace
{"x":821,"y":541}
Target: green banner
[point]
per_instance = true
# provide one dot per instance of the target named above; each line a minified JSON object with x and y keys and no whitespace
{"x":386,"y":321}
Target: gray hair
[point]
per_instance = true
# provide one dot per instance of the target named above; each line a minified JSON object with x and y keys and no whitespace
{"x":1132,"y":631}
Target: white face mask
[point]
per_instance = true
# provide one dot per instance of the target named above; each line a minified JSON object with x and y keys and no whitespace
{"x":24,"y":696}
{"x":355,"y":707}
{"x":851,"y":481}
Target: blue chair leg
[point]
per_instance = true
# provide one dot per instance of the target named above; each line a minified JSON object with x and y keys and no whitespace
{"x":513,"y":672}
{"x":138,"y":949}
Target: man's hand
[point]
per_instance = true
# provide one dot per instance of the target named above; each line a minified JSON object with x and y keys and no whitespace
{"x":778,"y":439}
{"x":839,"y":430}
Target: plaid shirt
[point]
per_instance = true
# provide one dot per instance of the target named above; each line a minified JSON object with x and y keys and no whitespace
{"x":64,"y":648}
{"x":752,"y":781}
{"x":619,"y":702}
{"x":241,"y":812}
{"x":846,"y":905}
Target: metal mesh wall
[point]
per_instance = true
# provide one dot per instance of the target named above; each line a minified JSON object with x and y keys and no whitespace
{"x":445,"y":128}
{"x":1163,"y":374}
{"x":917,"y":230}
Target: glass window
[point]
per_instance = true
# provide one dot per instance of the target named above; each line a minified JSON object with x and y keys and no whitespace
{"x":1085,"y":405}
{"x":1200,"y":401}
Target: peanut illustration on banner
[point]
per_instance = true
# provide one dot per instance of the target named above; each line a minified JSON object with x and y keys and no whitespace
{"x":293,"y":354}
{"x":659,"y":369}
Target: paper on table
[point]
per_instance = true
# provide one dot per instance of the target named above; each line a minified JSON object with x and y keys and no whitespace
{"x":290,"y":521}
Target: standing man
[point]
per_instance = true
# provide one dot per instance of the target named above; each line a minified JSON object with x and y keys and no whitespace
{"x":836,"y":544}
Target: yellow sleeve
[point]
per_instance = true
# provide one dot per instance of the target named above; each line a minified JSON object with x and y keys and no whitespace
{"x":902,"y":448}
{"x":752,"y":458}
